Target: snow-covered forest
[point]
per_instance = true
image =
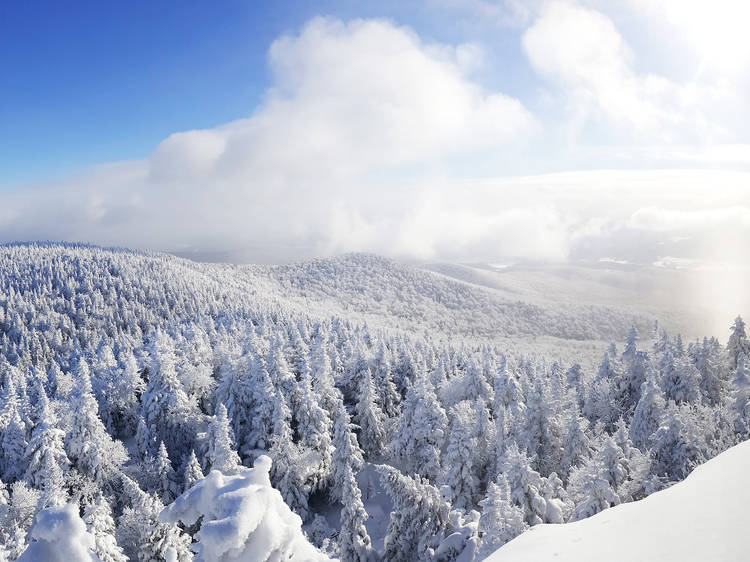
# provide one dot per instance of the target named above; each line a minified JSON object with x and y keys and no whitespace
{"x":138,"y":390}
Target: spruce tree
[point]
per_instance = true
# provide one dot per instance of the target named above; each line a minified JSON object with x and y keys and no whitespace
{"x":221,"y":454}
{"x":461,"y":457}
{"x":501,"y":520}
{"x":420,"y":434}
{"x":192,"y":472}
{"x":99,"y":522}
{"x":370,"y":418}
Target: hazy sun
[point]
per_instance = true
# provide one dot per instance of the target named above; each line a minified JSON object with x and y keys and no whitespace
{"x":718,"y":29}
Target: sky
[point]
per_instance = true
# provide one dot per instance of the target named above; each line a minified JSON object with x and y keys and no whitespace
{"x":474,"y":130}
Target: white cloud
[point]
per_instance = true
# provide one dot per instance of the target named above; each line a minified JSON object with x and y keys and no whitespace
{"x":351,"y":151}
{"x":717,"y":30}
{"x":346,"y":99}
{"x":581,"y":50}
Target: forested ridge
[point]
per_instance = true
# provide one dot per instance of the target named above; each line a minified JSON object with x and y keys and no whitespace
{"x":126,"y":377}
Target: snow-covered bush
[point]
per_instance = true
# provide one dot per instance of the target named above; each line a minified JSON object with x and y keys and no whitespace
{"x":242,"y":518}
{"x":60,"y":535}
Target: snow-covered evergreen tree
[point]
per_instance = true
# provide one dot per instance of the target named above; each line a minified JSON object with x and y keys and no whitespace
{"x":101,"y":525}
{"x":418,"y":520}
{"x":461,"y":457}
{"x":314,"y":428}
{"x":501,"y":519}
{"x":47,"y":440}
{"x":140,"y":533}
{"x":524,"y":483}
{"x":738,"y":342}
{"x":648,"y":413}
{"x":221,"y":454}
{"x":370,"y":418}
{"x":166,"y":410}
{"x":192,"y":472}
{"x":577,"y":445}
{"x":90,"y":448}
{"x":420,"y":433}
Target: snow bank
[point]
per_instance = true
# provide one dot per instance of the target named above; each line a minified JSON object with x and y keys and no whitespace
{"x":702,"y":518}
{"x":59,"y":535}
{"x":244,"y":518}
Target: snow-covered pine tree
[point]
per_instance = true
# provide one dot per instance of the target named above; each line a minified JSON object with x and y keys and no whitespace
{"x":221,"y":454}
{"x":280,"y":373}
{"x":707,"y":359}
{"x":418,"y":520}
{"x":679,"y":378}
{"x":263,"y":396}
{"x":346,"y":453}
{"x":591,"y":485}
{"x":168,"y":414}
{"x":648,"y":412}
{"x":140,"y":533}
{"x":577,"y":445}
{"x":235,"y":392}
{"x":542,"y":433}
{"x":574,"y":378}
{"x":461,"y":457}
{"x":741,"y":395}
{"x":677,"y":446}
{"x":420,"y":433}
{"x":13,"y":446}
{"x":389,"y":398}
{"x":91,"y":450}
{"x":163,"y":472}
{"x":370,"y":418}
{"x":353,"y":540}
{"x":192,"y":472}
{"x":501,"y":520}
{"x":738,"y":343}
{"x":524,"y":483}
{"x":101,"y":525}
{"x":46,"y":440}
{"x":314,"y":427}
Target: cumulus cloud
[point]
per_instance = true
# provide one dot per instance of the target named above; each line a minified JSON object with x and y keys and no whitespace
{"x":352,"y":147}
{"x":346,"y":99}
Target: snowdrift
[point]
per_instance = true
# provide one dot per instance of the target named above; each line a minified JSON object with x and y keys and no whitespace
{"x":243,"y":518}
{"x":59,"y":535}
{"x":701,"y":518}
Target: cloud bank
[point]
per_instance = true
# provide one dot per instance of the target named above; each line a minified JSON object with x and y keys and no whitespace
{"x":356,"y":145}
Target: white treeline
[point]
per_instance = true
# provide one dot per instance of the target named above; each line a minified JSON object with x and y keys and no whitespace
{"x":126,"y":377}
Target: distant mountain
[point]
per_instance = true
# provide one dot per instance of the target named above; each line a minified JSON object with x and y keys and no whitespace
{"x":386,"y":292}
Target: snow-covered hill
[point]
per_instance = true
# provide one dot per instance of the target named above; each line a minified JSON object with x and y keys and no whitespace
{"x":690,"y":299}
{"x":701,"y":518}
{"x":394,"y":430}
{"x":407,"y":297}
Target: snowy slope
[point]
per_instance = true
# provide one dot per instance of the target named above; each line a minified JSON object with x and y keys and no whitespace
{"x":702,"y":518}
{"x":686,"y":300}
{"x":407,"y":297}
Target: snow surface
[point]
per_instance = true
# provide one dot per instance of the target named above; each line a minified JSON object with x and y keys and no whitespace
{"x":59,"y":535}
{"x":243,"y":518}
{"x":701,"y":518}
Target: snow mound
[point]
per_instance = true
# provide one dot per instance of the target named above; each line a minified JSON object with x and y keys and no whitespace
{"x":244,"y":518}
{"x":59,"y":535}
{"x":704,"y":517}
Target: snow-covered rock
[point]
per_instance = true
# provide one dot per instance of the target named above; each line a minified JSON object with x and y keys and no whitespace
{"x":59,"y":535}
{"x":701,"y":518}
{"x":244,"y":518}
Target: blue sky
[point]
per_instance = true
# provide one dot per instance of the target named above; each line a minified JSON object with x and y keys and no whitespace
{"x":434,"y":129}
{"x":91,"y":82}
